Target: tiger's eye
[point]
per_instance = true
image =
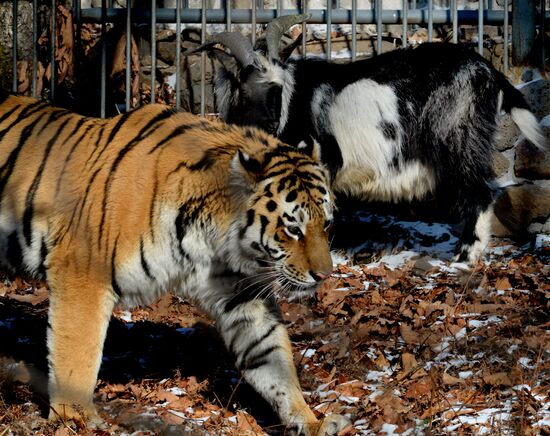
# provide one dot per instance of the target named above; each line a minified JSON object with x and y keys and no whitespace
{"x":295,"y":231}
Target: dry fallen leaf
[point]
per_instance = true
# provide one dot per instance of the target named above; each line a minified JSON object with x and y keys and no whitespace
{"x":247,"y":425}
{"x":497,"y":379}
{"x":450,"y":380}
{"x":408,"y":334}
{"x":502,"y":284}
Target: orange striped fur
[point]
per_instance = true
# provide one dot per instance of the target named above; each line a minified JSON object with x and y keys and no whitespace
{"x":122,"y":210}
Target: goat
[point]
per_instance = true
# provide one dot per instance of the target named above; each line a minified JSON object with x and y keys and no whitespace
{"x":396,"y":127}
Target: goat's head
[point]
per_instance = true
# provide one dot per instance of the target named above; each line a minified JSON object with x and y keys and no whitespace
{"x":249,"y":86}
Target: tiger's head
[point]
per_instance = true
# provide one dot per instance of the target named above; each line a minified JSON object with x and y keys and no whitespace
{"x":289,"y":208}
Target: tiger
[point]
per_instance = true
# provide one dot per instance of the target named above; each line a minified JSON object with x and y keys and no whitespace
{"x":121,"y":210}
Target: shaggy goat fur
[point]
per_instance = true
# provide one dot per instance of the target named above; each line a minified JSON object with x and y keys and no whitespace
{"x":397,"y":127}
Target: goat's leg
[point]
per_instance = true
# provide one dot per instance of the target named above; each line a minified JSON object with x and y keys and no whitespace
{"x":475,"y":210}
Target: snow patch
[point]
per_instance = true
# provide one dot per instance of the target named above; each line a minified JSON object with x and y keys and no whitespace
{"x":309,"y":352}
{"x":126,"y":316}
{"x":177,"y":391}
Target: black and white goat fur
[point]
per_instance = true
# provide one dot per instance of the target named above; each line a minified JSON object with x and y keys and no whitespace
{"x":398,"y":126}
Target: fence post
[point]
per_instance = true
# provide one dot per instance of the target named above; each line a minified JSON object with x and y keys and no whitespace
{"x":523,"y":30}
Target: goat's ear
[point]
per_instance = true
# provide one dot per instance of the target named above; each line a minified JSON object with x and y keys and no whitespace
{"x":310,"y":147}
{"x":246,"y":169}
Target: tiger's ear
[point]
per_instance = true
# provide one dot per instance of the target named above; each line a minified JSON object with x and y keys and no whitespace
{"x":311,"y":147}
{"x":246,"y":168}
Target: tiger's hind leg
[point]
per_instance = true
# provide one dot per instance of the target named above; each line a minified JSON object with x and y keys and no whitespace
{"x":253,"y":332}
{"x":79,"y":314}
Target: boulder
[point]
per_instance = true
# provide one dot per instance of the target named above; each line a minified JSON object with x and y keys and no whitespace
{"x":517,"y":207}
{"x":507,"y":133}
{"x":500,"y":164}
{"x":24,"y":29}
{"x":537,"y":94}
{"x":166,"y":50}
{"x":531,"y":162}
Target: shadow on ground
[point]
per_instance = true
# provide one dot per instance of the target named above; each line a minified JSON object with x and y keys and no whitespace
{"x":138,"y":351}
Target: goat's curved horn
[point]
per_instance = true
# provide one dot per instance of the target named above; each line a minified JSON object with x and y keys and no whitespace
{"x":277,"y":28}
{"x":240,"y":46}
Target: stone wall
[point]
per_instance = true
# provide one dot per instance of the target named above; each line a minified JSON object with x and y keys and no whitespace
{"x":523,"y":171}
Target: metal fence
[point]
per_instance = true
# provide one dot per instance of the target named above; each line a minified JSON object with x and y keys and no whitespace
{"x":522,"y":15}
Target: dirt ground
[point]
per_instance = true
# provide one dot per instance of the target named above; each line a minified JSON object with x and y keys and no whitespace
{"x":401,"y":342}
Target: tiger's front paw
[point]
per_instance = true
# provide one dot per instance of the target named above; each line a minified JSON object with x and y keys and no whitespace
{"x":61,"y":412}
{"x":329,"y":426}
{"x":332,"y":425}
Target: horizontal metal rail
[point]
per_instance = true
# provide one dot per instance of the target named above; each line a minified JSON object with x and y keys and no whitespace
{"x":318,"y":16}
{"x":331,"y":15}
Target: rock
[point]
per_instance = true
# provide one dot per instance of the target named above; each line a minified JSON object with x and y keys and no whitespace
{"x":531,"y":162}
{"x":194,"y":69}
{"x":166,"y":50}
{"x":168,"y":71}
{"x":518,"y":206}
{"x":165,"y":35}
{"x":24,"y":30}
{"x":507,"y":133}
{"x":500,"y":164}
{"x":537,"y":94}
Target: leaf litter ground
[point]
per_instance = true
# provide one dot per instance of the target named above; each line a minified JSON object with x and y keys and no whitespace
{"x":400,"y":339}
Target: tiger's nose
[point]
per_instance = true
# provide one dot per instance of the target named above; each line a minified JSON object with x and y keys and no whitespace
{"x":318,"y":276}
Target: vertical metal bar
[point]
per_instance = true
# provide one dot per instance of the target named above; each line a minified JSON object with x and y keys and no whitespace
{"x":542,"y":32}
{"x":279,"y":7}
{"x":128,"y":55}
{"x":455,"y":21}
{"x":378,"y":26}
{"x":480,"y":27}
{"x":77,"y":19}
{"x":35,"y":45}
{"x":430,"y":20}
{"x":228,"y":15}
{"x":329,"y":29}
{"x":14,"y":45}
{"x":178,"y":54}
{"x":304,"y":28}
{"x":203,"y":59}
{"x":53,"y":63}
{"x":253,"y":29}
{"x":405,"y":23}
{"x":153,"y":48}
{"x":103,"y":84}
{"x":506,"y":36}
{"x":523,"y":30}
{"x":353,"y":30}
